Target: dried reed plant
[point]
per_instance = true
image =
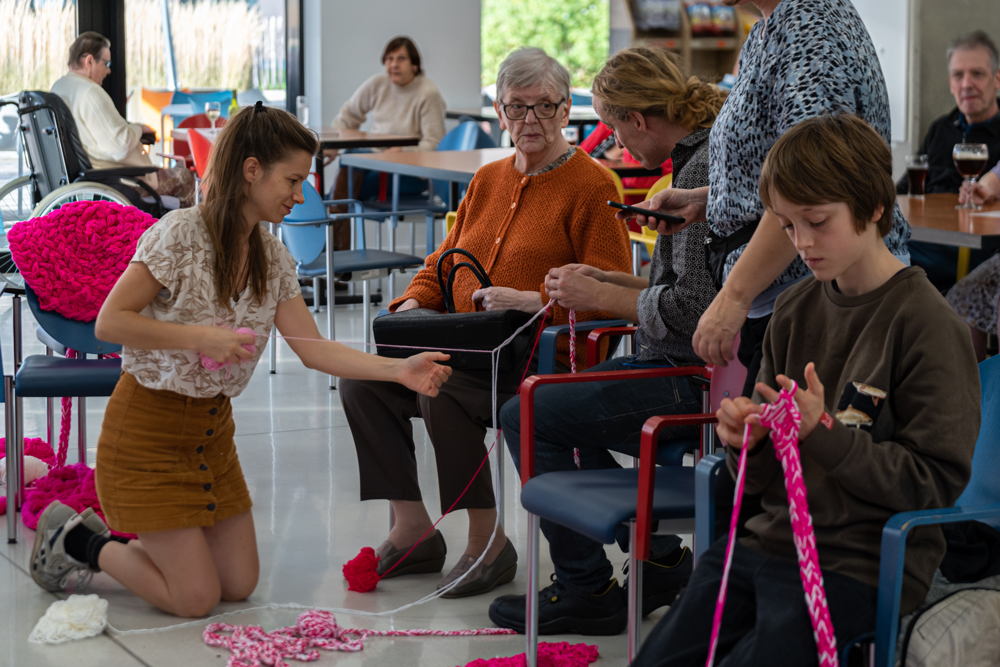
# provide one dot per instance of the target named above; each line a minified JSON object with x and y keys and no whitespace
{"x":34,"y":47}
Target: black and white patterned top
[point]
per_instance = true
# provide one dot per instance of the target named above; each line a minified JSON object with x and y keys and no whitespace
{"x":680,"y":286}
{"x":809,"y":58}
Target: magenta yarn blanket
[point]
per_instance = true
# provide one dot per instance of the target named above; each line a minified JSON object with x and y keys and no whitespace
{"x":73,"y":256}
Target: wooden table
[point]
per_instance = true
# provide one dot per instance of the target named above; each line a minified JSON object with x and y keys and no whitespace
{"x":330,"y":139}
{"x":934,"y":219}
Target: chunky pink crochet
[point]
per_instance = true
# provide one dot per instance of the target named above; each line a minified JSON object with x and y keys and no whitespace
{"x":32,"y":447}
{"x":73,"y":256}
{"x":550,"y":654}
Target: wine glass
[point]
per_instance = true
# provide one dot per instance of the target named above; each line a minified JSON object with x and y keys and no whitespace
{"x":214,"y":109}
{"x":970,"y":160}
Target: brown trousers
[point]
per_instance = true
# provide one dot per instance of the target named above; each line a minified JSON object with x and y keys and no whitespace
{"x":379,"y":415}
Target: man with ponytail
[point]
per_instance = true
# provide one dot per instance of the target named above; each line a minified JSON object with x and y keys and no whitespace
{"x":656,"y":112}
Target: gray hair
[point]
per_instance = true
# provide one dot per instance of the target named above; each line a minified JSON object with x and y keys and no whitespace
{"x":530,"y":65}
{"x":976,"y":39}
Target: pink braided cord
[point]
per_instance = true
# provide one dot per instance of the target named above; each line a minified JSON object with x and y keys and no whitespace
{"x":252,"y":646}
{"x":784,"y":420}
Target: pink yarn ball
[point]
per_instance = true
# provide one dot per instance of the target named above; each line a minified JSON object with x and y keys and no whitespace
{"x":211,"y":364}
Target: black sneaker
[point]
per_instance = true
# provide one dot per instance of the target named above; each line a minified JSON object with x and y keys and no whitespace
{"x":565,"y":611}
{"x":662,"y":579}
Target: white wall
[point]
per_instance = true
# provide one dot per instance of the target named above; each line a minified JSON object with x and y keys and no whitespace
{"x":344,"y":41}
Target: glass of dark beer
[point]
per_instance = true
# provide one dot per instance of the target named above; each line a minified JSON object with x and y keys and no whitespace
{"x":970,"y":161}
{"x":916,"y":174}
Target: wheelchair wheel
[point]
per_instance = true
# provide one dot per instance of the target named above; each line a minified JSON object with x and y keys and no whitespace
{"x":16,"y":204}
{"x":79,"y":191}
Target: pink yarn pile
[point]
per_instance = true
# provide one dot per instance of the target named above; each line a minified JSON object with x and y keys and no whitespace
{"x":73,"y":256}
{"x":252,"y":646}
{"x":550,"y":654}
{"x":32,"y":447}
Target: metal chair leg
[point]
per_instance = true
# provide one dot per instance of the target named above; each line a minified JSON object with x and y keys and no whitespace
{"x":12,"y":459}
{"x":531,"y":599}
{"x":81,"y":425}
{"x":634,"y":595}
{"x":15,"y":450}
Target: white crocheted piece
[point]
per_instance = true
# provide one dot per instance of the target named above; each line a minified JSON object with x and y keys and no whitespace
{"x":76,"y":617}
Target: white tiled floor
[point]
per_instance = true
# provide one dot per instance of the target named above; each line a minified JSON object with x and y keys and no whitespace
{"x":298,"y":457}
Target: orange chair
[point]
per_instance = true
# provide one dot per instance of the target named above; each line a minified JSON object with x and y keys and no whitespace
{"x":201,"y":150}
{"x":181,"y":148}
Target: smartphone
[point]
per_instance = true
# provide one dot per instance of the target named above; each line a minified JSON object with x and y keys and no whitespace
{"x":665,"y":217}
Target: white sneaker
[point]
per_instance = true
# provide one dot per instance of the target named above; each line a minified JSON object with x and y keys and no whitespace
{"x":51,"y":566}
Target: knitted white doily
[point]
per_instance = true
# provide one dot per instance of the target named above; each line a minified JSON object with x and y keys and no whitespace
{"x":76,"y":617}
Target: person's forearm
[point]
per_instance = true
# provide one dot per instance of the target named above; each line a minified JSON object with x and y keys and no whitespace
{"x":333,"y":358}
{"x":625,"y":280}
{"x":767,"y":255}
{"x":618,"y":300}
{"x":131,"y":329}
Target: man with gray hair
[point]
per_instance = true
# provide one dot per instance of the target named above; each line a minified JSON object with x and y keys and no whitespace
{"x":973,"y":78}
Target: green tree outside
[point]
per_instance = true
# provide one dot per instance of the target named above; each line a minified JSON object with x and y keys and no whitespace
{"x":574,"y":32}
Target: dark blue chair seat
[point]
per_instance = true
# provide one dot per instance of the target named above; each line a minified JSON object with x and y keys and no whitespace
{"x":351,"y":261}
{"x":605,"y":499}
{"x":41,"y":375}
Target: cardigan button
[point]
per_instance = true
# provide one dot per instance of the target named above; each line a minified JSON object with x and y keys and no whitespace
{"x":497,"y":242}
{"x":513,"y":204}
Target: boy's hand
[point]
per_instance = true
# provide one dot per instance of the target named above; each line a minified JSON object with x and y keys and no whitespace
{"x":733,"y":415}
{"x":810,"y":400}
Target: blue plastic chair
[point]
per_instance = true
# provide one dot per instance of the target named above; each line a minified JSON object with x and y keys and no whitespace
{"x":47,"y":376}
{"x":198,"y":100}
{"x":308,"y":232}
{"x":467,"y":135}
{"x":596,"y":502}
{"x":979,"y":502}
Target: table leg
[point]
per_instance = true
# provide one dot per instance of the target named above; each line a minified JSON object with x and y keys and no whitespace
{"x":330,"y":300}
{"x":963,"y":263}
{"x":320,"y":176}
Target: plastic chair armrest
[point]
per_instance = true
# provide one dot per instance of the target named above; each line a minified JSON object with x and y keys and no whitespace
{"x":893,"y":556}
{"x":595,"y":337}
{"x":550,"y":336}
{"x":117,"y":172}
{"x":705,"y":476}
{"x":531,"y":384}
{"x":649,"y":441}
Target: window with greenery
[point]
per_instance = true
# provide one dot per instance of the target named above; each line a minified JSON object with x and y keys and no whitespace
{"x":575,"y":32}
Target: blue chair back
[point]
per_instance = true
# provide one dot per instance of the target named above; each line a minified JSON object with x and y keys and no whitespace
{"x":465,"y":136}
{"x":73,"y":334}
{"x":984,"y":485}
{"x":197,"y":101}
{"x":306,"y":242}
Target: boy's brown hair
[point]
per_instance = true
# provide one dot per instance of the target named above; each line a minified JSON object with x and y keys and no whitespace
{"x":833,"y":158}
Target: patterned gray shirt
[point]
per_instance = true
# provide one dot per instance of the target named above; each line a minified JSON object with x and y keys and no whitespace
{"x":680,"y":287}
{"x":809,"y":58}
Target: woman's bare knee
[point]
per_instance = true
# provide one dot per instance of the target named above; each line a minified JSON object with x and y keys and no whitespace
{"x":196,"y":603}
{"x":236,"y":591}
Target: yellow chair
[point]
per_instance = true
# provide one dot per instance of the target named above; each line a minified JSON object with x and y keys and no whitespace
{"x":646,"y":237}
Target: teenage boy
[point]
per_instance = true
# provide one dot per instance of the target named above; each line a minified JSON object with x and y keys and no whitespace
{"x":889,"y":396}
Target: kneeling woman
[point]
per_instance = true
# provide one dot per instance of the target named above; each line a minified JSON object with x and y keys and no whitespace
{"x":540,"y":208}
{"x":167,"y":468}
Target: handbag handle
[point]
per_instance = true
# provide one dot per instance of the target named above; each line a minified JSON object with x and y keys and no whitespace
{"x":446,"y":286}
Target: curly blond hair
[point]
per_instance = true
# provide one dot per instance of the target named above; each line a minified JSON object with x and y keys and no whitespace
{"x":649,"y":80}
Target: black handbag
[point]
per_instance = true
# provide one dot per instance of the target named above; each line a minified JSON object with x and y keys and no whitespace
{"x":428,"y":329}
{"x":717,"y":249}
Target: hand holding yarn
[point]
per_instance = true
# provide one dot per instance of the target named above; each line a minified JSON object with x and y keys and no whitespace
{"x":809,"y":400}
{"x":231,"y":346}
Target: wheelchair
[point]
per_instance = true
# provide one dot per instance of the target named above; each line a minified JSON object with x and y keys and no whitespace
{"x":59,"y":171}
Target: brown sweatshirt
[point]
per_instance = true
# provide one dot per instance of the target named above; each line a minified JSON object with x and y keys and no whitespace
{"x":901,"y":381}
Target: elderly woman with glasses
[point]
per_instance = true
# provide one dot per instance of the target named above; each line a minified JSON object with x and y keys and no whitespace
{"x":542,"y":207}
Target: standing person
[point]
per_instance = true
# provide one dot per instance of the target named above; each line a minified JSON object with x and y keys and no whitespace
{"x":167,"y":468}
{"x":400,"y":100}
{"x":657,"y":113}
{"x":888,"y":392}
{"x":110,"y":140}
{"x":803,"y":59}
{"x":544,"y":206}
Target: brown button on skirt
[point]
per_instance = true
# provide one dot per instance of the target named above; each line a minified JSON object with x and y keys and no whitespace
{"x":167,"y":461}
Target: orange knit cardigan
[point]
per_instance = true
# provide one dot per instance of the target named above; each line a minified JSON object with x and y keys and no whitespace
{"x":519,"y":227}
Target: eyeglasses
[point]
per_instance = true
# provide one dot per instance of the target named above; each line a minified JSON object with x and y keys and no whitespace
{"x":107,"y":63}
{"x":543,"y":110}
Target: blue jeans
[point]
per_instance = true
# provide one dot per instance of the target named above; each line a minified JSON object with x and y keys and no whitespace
{"x":595,"y":417}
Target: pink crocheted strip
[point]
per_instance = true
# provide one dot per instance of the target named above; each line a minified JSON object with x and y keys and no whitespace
{"x":550,"y":654}
{"x":73,"y":256}
{"x":784,"y":420}
{"x":252,"y":646}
